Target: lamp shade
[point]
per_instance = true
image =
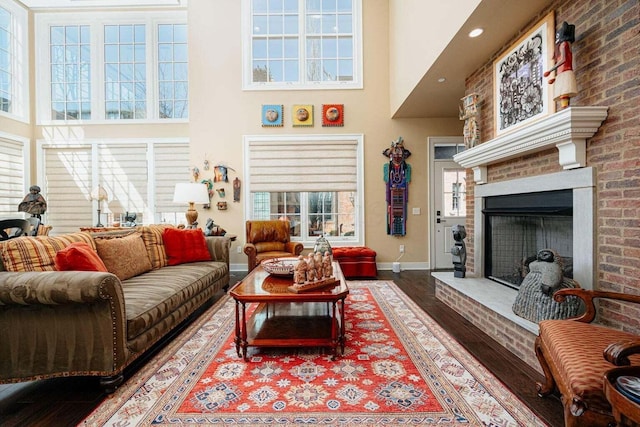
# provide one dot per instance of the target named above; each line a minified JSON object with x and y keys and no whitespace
{"x":99,"y":194}
{"x":191,"y":192}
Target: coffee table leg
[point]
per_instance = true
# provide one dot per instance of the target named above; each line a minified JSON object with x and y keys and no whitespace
{"x":342,"y":339}
{"x":244,"y":331}
{"x":237,"y":339}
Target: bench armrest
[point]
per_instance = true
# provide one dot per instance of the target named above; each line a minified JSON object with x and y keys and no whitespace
{"x":589,"y":298}
{"x":618,"y":353}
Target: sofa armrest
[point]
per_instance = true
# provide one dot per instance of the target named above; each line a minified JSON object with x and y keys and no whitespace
{"x":294,"y":247}
{"x":218,"y":248}
{"x":618,"y":353}
{"x":589,"y":297}
{"x":58,"y":287}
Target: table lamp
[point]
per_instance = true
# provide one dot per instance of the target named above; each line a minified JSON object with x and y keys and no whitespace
{"x":99,"y":194}
{"x":191,"y":193}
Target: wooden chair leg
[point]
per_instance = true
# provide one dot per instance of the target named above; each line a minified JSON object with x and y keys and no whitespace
{"x":549,"y":386}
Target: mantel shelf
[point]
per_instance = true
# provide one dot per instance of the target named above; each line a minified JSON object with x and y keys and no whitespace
{"x":567,"y":130}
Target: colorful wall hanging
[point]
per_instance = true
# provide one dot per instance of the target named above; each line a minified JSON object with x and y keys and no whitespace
{"x":397,"y":175}
{"x":272,"y":115}
{"x":333,"y":115}
{"x":302,"y":115}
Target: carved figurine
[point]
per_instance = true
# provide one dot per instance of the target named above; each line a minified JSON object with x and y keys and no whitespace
{"x":311,"y":268}
{"x":327,"y":267}
{"x":469,"y":113}
{"x":300,"y":271}
{"x":236,"y":189}
{"x":317,"y":258}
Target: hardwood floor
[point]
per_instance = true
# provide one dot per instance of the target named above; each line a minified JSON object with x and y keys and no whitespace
{"x":66,"y":401}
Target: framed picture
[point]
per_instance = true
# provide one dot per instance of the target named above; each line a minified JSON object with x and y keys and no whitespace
{"x":302,"y":115}
{"x":332,"y":115}
{"x":272,"y":115}
{"x":521,"y":95}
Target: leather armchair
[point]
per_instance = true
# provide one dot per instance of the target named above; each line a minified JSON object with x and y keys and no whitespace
{"x":269,"y":239}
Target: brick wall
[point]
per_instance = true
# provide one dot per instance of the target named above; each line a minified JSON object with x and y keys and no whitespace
{"x":511,"y":336}
{"x":607,"y":67}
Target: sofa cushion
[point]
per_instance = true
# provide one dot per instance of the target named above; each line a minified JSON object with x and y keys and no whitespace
{"x":125,"y":257}
{"x":184,"y":246}
{"x":38,"y":253}
{"x":79,"y":256}
{"x":153,"y":241}
{"x":153,"y":296}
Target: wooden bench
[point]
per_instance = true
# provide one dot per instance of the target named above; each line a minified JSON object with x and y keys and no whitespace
{"x":356,"y":261}
{"x":576,"y":353}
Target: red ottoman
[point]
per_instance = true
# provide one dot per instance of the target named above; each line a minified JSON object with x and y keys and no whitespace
{"x":356,"y":261}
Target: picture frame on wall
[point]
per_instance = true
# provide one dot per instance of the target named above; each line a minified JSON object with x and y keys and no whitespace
{"x":272,"y":115}
{"x":302,"y":115}
{"x":521,"y":94}
{"x":333,"y":115}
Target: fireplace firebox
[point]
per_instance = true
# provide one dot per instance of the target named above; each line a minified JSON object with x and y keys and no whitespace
{"x":517,"y":226}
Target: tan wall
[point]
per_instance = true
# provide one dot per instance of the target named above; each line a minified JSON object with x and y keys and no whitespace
{"x":221,"y":113}
{"x":416,"y":41}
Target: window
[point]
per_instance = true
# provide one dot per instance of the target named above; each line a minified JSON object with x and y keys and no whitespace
{"x":173,"y":71}
{"x":13,"y":61}
{"x":112,"y":66}
{"x":314,"y":182}
{"x":70,"y":72}
{"x":125,"y":71}
{"x":139,"y":177}
{"x":302,"y":44}
{"x":13,"y":173}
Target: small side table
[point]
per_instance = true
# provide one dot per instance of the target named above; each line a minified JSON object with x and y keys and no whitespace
{"x":625,"y":411}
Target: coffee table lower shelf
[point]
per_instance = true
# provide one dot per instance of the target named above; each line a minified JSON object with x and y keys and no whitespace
{"x":292,"y":325}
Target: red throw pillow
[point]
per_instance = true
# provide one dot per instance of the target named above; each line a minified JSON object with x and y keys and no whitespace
{"x":185,"y":246}
{"x":78,"y":256}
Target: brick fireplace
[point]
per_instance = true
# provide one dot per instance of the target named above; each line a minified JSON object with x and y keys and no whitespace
{"x":487,"y":303}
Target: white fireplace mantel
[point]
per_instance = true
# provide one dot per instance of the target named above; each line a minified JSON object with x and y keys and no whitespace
{"x":567,"y":130}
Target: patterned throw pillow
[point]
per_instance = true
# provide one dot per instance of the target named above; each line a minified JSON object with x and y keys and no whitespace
{"x":38,"y":253}
{"x":124,"y":256}
{"x":79,"y":256}
{"x":152,"y":237}
{"x":185,"y":246}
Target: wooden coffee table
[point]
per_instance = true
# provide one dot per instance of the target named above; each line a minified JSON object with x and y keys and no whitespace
{"x":287,"y":319}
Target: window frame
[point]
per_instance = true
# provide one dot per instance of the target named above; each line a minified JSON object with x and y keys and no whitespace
{"x":302,"y":84}
{"x":20,"y":62}
{"x":97,"y":21}
{"x":358,"y":238}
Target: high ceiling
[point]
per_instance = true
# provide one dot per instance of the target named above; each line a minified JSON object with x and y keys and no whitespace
{"x":501,"y":20}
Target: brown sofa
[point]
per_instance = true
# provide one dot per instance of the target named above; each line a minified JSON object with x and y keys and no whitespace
{"x":90,"y":323}
{"x":576,"y":353}
{"x":267,"y":240}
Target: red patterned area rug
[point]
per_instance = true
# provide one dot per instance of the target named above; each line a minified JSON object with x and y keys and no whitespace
{"x":399,"y":368}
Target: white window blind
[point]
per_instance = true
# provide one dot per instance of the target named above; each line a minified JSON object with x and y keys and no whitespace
{"x":171,"y":165}
{"x":67,"y":188}
{"x":124,"y":174}
{"x":303,"y":164}
{"x":12,"y":179}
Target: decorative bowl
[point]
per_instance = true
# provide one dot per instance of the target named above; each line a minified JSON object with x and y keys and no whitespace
{"x":279,"y":266}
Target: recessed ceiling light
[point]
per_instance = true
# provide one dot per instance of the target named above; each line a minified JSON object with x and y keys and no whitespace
{"x":442,"y":80}
{"x":476,"y":32}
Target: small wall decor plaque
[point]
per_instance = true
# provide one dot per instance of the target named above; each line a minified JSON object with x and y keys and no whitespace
{"x":333,"y":115}
{"x":272,"y":115}
{"x":302,"y":115}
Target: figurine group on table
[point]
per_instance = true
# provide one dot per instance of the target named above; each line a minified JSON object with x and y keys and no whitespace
{"x":312,"y":272}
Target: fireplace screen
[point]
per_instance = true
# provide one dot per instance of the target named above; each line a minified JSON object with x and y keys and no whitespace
{"x":518,"y":226}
